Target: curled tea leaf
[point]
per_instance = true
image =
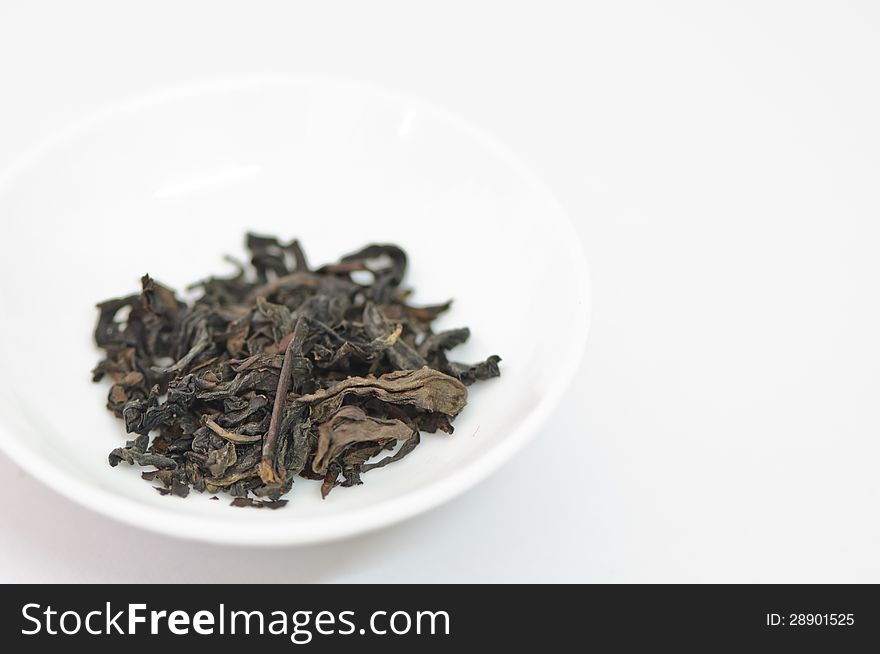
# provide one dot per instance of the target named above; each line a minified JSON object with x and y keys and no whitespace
{"x":352,"y":425}
{"x":282,"y":370}
{"x":424,"y":389}
{"x":230,"y":436}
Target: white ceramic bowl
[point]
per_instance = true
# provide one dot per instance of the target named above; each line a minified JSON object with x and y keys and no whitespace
{"x":168,"y":183}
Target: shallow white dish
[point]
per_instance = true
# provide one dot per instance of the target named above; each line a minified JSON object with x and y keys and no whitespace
{"x":337,"y":165}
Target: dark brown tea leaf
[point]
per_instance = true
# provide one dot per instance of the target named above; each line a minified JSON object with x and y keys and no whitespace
{"x":279,"y":372}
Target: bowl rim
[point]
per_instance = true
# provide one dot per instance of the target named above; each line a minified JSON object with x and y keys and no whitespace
{"x":364,"y":519}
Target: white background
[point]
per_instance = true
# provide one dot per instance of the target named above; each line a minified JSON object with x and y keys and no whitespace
{"x":721,"y":163}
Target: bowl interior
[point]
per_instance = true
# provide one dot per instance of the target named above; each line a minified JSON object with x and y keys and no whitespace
{"x":170,"y":183}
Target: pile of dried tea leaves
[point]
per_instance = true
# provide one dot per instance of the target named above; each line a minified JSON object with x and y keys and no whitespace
{"x":280,"y":371}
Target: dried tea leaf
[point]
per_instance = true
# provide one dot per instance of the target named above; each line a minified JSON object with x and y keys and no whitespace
{"x":220,"y":460}
{"x":228,"y":435}
{"x":134,"y":457}
{"x":424,"y":389}
{"x":408,"y":446}
{"x":258,"y":504}
{"x":351,"y":425}
{"x":279,"y":371}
